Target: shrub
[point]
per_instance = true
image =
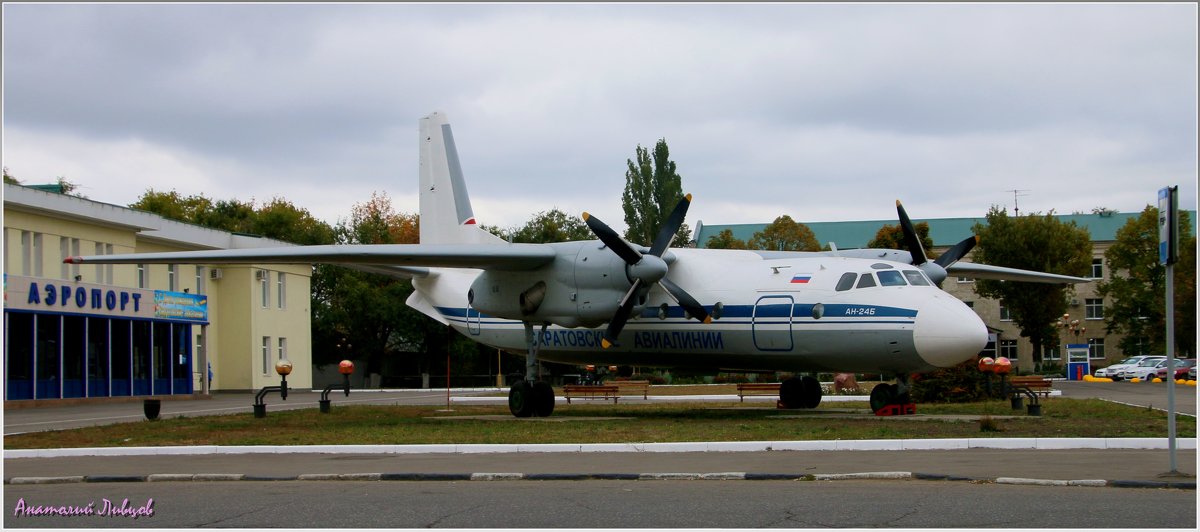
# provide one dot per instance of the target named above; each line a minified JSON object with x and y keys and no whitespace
{"x":963,"y":383}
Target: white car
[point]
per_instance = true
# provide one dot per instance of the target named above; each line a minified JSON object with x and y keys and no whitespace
{"x":1146,"y":367}
{"x":1114,"y":371}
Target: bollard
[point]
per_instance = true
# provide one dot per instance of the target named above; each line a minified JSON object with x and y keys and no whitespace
{"x":151,"y":408}
{"x":1017,"y":401}
{"x":324,"y":405}
{"x":1035,"y":410}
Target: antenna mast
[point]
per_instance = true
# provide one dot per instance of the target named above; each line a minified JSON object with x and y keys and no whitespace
{"x":1016,"y":193}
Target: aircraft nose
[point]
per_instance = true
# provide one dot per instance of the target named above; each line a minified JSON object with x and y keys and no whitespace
{"x":948,"y":332}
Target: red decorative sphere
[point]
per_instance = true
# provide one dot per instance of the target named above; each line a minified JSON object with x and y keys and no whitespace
{"x":986,"y":364}
{"x":1002,"y":366}
{"x":345,"y":367}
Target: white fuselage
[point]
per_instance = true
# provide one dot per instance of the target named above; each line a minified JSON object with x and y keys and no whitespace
{"x":785,"y":313}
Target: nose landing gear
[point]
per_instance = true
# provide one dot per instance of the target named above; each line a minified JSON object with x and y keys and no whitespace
{"x":892,"y":399}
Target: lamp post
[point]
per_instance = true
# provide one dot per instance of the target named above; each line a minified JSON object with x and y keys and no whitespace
{"x":1072,"y":327}
{"x":345,"y":367}
{"x":284,"y":368}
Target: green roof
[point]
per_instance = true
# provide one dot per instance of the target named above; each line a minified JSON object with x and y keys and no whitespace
{"x":943,"y":231}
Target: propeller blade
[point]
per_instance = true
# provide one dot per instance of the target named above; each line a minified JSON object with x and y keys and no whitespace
{"x":911,"y":240}
{"x":618,"y":321}
{"x":612,"y":240}
{"x":957,"y":252}
{"x":670,"y":227}
{"x":685,"y":300}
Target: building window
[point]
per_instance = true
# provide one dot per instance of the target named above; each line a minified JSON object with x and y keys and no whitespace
{"x":199,"y":279}
{"x":283,"y":349}
{"x":1097,"y":268}
{"x":171,"y":283}
{"x":1008,"y":349}
{"x":1052,"y":353}
{"x":1094,"y":309}
{"x":265,"y":287}
{"x":1095,"y":348}
{"x":1004,"y":314}
{"x":281,"y":299}
{"x":266,"y":354}
{"x":143,"y":276}
{"x":31,"y":253}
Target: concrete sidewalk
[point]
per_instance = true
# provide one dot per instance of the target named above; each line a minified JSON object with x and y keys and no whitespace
{"x":1140,"y":467}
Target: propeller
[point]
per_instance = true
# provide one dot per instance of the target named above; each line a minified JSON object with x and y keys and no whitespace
{"x":936,"y":270}
{"x":645,"y":269}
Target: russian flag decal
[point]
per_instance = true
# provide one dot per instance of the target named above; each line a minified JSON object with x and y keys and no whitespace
{"x":801,"y":278}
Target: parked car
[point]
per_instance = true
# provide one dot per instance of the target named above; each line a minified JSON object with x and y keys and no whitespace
{"x":1142,"y":369}
{"x":1191,"y":373}
{"x":1114,"y":371}
{"x":1181,"y":368}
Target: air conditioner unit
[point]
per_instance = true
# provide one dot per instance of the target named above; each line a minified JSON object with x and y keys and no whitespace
{"x":214,"y":274}
{"x":260,"y":275}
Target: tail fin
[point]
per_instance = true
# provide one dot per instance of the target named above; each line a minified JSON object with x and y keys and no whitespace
{"x":446,"y":215}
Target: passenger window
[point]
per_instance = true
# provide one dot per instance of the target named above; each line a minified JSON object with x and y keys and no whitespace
{"x":847,"y":281}
{"x":915,"y":278}
{"x":891,"y":278}
{"x":866,"y":281}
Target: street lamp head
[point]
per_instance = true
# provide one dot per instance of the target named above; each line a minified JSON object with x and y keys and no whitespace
{"x":283,"y":367}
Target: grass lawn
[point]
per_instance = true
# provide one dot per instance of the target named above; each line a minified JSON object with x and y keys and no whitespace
{"x":641,"y":423}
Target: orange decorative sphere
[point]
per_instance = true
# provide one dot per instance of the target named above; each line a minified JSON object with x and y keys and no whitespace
{"x":985,"y":364}
{"x":283,"y":367}
{"x":1002,"y":366}
{"x":345,"y":367}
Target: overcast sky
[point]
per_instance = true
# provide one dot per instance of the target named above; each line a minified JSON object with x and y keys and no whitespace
{"x":821,"y":112}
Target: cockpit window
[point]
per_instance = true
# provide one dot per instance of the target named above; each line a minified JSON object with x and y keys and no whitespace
{"x":891,"y":278}
{"x":866,"y":281}
{"x":915,"y":278}
{"x":847,"y":281}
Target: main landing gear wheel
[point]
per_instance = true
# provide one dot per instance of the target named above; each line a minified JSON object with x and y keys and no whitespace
{"x":527,"y":399}
{"x":800,"y":392}
{"x":521,"y":399}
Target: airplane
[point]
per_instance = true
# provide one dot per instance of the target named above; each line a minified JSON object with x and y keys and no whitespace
{"x":613,"y":302}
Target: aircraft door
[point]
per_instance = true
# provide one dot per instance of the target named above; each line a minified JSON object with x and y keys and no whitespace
{"x":771,"y":323}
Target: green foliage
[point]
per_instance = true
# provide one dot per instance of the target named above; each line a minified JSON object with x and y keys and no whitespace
{"x":725,"y":240}
{"x":785,"y":234}
{"x":1137,"y":287}
{"x":892,"y":237}
{"x":8,"y":178}
{"x":963,"y":383}
{"x":551,"y":226}
{"x":1039,"y":243}
{"x":652,"y":189}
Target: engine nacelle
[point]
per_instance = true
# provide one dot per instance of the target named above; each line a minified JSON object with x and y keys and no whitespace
{"x":581,"y":288}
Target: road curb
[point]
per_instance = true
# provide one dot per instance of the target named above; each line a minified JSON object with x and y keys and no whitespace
{"x":502,"y":476}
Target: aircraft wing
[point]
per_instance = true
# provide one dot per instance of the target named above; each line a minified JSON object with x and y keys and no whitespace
{"x":389,"y":259}
{"x":1000,"y":273}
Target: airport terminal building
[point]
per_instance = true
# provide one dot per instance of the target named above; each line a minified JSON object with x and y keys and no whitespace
{"x":95,"y":331}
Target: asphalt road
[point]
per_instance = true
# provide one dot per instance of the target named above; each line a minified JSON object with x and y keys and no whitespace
{"x":611,"y":504}
{"x":972,"y":498}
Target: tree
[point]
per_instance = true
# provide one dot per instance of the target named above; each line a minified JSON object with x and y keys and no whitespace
{"x":1032,"y":242}
{"x":652,"y":189}
{"x":552,"y":226}
{"x":1137,"y":287}
{"x":725,"y":240}
{"x":171,"y":205}
{"x":892,"y":237}
{"x":8,"y":178}
{"x":785,"y":234}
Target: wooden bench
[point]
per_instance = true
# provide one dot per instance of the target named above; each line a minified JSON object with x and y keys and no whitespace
{"x":756,"y":388}
{"x":584,"y":391}
{"x":1031,"y":386}
{"x":634,"y":388}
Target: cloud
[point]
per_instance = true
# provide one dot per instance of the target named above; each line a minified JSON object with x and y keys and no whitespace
{"x":828,"y":111}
